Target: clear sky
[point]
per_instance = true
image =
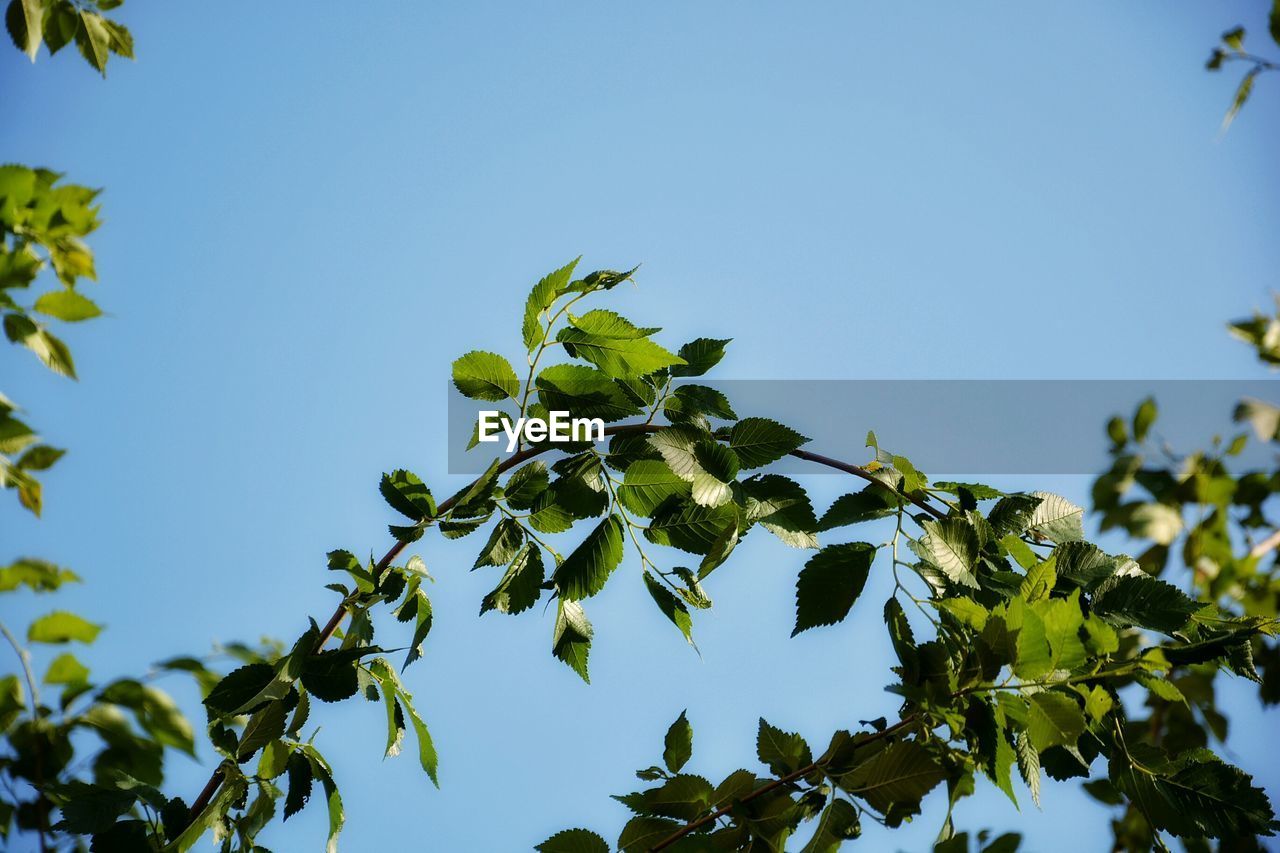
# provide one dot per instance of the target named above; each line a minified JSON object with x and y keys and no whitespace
{"x":311,"y":209}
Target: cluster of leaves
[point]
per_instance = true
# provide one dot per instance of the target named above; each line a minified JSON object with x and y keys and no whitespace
{"x":745,"y":811}
{"x":72,"y":765}
{"x":58,"y":23}
{"x":1035,"y":630}
{"x":1231,"y":49}
{"x":43,"y":224}
{"x":1197,"y":519}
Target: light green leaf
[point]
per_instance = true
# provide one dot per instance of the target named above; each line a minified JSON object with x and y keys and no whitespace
{"x":485,"y":376}
{"x":700,"y":356}
{"x":61,"y":626}
{"x":1057,"y":518}
{"x":1054,"y":719}
{"x":647,"y":484}
{"x":620,"y":358}
{"x":540,"y":299}
{"x":67,"y":305}
{"x":951,"y":544}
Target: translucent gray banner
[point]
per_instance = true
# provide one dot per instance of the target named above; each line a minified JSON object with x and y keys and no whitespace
{"x":946,"y":427}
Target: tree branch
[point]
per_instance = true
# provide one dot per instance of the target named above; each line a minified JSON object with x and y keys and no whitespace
{"x":693,"y":826}
{"x":326,"y":633}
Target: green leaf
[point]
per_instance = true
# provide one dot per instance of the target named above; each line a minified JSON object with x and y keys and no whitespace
{"x":1143,"y":601}
{"x":677,"y":746}
{"x":1028,"y":764}
{"x":1057,"y":518}
{"x":951,"y":544}
{"x":485,"y":376}
{"x":93,"y":40}
{"x":1054,"y":719}
{"x":300,"y":777}
{"x":241,"y":686}
{"x":759,"y":441}
{"x":330,"y":676}
{"x":671,"y":607}
{"x":61,"y":626}
{"x":647,"y":484}
{"x":584,"y":392}
{"x":830,"y":583}
{"x":607,"y":324}
{"x":679,"y":446}
{"x":902,"y":773}
{"x":685,"y":525}
{"x":584,"y":572}
{"x":407,"y":494}
{"x":689,"y":402}
{"x":25,"y":21}
{"x":571,"y":640}
{"x":700,"y":356}
{"x":525,"y":485}
{"x":540,"y":299}
{"x":67,"y":305}
{"x":48,"y":348}
{"x":642,"y":833}
{"x":620,"y":358}
{"x":871,"y":503}
{"x":1143,"y":418}
{"x":782,"y":752}
{"x":503,"y":545}
{"x":574,"y":841}
{"x":1196,"y":796}
{"x":263,"y":727}
{"x":337,"y":816}
{"x":274,"y":759}
{"x":782,"y":507}
{"x":520,"y":587}
{"x":839,"y":823}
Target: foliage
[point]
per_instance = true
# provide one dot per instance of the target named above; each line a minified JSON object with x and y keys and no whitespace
{"x":1231,"y":49}
{"x":58,"y":23}
{"x":1038,"y":649}
{"x":43,"y":223}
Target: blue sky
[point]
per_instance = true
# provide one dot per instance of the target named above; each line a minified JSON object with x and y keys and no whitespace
{"x":310,"y":211}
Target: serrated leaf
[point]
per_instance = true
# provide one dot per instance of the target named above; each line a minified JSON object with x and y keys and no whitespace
{"x":871,"y":503}
{"x":540,"y":299}
{"x":830,"y":583}
{"x":571,"y":640}
{"x":1053,"y":719}
{"x":526,"y":484}
{"x":951,"y":544}
{"x":902,"y":773}
{"x":574,"y":841}
{"x":584,"y":392}
{"x":782,"y":752}
{"x":647,"y":484}
{"x":520,"y":587}
{"x":700,"y":356}
{"x":688,"y":526}
{"x":759,"y":441}
{"x":677,"y":746}
{"x":619,"y":358}
{"x":1143,"y":601}
{"x":503,"y":545}
{"x":585,"y":571}
{"x":1057,"y":518}
{"x":264,"y":726}
{"x":485,"y":376}
{"x":671,"y":607}
{"x":407,"y":494}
